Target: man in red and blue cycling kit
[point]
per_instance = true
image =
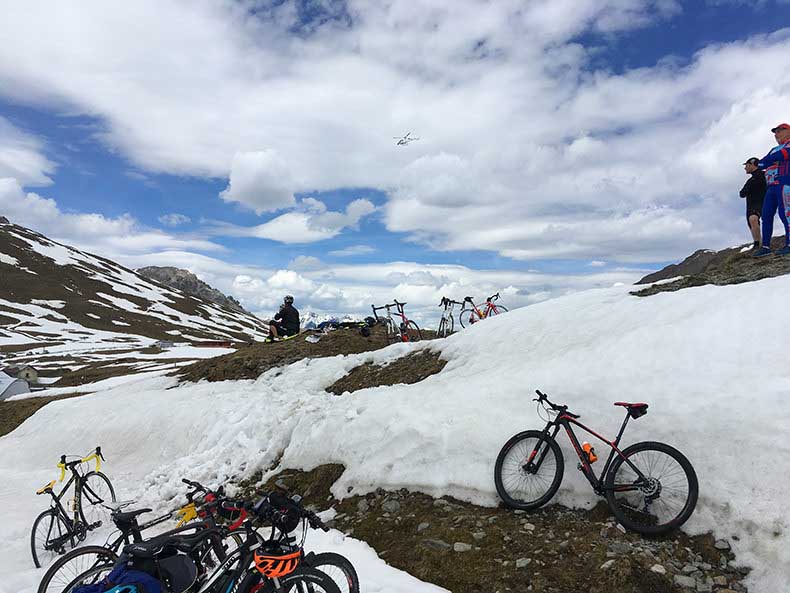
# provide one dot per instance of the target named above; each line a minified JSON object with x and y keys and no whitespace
{"x":776,"y":165}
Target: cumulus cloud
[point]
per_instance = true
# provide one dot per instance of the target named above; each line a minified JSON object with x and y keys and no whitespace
{"x":353,"y":250}
{"x":110,"y":237}
{"x":174,"y":219}
{"x":22,"y":156}
{"x":525,"y":149}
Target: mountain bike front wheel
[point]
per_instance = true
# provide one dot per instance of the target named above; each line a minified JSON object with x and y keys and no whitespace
{"x":658,"y":501}
{"x":445,"y":327}
{"x":338,"y":568}
{"x":528,"y":470}
{"x":468,"y":316}
{"x":50,"y":537}
{"x":303,"y":580}
{"x":83,"y":566}
{"x":96,"y":490}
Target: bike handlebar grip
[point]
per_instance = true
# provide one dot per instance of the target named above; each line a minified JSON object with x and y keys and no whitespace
{"x":98,"y":452}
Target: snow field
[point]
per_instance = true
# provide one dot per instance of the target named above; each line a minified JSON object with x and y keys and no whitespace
{"x":717,"y":391}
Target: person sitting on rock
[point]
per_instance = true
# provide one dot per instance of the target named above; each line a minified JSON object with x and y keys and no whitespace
{"x":286,"y":320}
{"x":754,"y":192}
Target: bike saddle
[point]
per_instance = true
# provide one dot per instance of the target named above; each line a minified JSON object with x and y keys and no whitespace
{"x":127,"y":516}
{"x":635,"y":410}
{"x":46,"y":488}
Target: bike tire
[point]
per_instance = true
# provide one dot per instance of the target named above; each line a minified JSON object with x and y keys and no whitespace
{"x":445,"y":327}
{"x":470,"y":315}
{"x":94,"y":492}
{"x":393,"y":335}
{"x":509,"y":472}
{"x":413,"y":332}
{"x":303,"y":580}
{"x":75,"y":567}
{"x":43,"y":533}
{"x":626,"y":508}
{"x":339,"y":569}
{"x":497,"y":309}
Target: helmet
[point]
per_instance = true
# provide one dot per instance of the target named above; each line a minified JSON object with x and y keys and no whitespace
{"x":288,"y":300}
{"x":278,"y":562}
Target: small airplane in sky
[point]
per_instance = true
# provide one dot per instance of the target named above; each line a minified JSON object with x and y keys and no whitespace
{"x":404,"y":140}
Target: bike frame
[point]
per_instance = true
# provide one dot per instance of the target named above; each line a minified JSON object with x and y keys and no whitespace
{"x":56,"y":504}
{"x":566,"y":421}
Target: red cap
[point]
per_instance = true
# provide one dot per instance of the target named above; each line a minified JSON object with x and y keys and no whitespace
{"x":780,"y":127}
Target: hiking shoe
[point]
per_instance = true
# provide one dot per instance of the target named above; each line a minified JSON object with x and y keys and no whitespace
{"x":762,"y":252}
{"x":783,"y":251}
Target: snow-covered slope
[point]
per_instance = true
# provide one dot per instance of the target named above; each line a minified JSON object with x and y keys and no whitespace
{"x":53,"y":294}
{"x":710,"y":361}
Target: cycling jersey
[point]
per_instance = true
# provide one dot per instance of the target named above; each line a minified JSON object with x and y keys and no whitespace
{"x":776,"y":165}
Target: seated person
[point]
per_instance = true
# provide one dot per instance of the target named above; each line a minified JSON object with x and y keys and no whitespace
{"x":286,"y":320}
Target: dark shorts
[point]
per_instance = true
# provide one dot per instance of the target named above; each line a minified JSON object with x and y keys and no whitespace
{"x":753,"y":208}
{"x":282,"y":330}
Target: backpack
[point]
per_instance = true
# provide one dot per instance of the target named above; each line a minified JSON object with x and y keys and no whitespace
{"x":123,"y":580}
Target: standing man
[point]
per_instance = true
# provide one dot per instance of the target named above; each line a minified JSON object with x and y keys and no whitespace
{"x":776,"y":165}
{"x":754,"y":192}
{"x":286,"y":320}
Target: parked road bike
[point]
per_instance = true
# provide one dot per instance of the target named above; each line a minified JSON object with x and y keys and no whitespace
{"x":471,"y":313}
{"x":650,"y":487}
{"x":404,"y":331}
{"x":57,"y":528}
{"x":89,"y":564}
{"x":446,"y":325}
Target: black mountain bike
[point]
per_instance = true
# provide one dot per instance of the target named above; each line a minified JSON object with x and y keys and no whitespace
{"x":54,"y":530}
{"x":650,"y":487}
{"x":446,"y":325}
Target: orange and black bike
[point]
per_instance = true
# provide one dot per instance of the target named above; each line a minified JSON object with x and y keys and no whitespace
{"x":651,"y":488}
{"x":471,"y":313}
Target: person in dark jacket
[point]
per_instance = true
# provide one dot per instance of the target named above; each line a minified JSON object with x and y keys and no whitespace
{"x":286,"y":320}
{"x":754,"y":192}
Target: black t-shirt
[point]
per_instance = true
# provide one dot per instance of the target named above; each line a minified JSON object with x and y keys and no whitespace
{"x":754,"y":191}
{"x":289,"y":317}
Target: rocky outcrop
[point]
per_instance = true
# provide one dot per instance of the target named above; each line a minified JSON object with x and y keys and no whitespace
{"x":187,"y":282}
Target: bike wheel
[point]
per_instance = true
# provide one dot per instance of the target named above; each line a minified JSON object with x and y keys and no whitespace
{"x":50,"y":537}
{"x":661,"y":502}
{"x":96,"y":490}
{"x":497,"y":309}
{"x":468,"y":316}
{"x":303,"y":580}
{"x":339,"y":569}
{"x":83,"y":566}
{"x":413,"y":332}
{"x":393,"y":335}
{"x":445,"y":327}
{"x":523,"y":487}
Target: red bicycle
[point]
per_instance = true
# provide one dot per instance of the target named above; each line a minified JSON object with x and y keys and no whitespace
{"x":472,"y":313}
{"x":650,"y":487}
{"x":405,"y":331}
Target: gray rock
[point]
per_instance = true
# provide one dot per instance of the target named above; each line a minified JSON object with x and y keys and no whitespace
{"x":721,"y":544}
{"x":436,"y":544}
{"x":607,"y":565}
{"x":704,"y":587}
{"x":704,"y":566}
{"x":478,"y":535}
{"x":391,"y":506}
{"x":461,"y":547}
{"x":720,"y":581}
{"x":523,"y":562}
{"x":688,"y":569}
{"x":423,"y":527}
{"x":685,"y":581}
{"x":620,"y":547}
{"x":563,"y":545}
{"x":363,"y":506}
{"x":658,"y":569}
{"x":528,"y":526}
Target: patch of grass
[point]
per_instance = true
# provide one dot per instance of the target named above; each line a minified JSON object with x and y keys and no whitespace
{"x":408,"y":369}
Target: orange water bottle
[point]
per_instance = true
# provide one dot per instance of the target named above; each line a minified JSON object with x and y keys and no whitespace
{"x":588,"y":449}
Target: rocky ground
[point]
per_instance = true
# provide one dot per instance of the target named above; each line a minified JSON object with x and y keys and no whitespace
{"x":729,"y":266}
{"x":409,"y":369}
{"x":471,"y":549}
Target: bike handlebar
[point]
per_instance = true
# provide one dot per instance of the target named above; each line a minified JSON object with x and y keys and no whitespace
{"x":561,"y":409}
{"x":277,"y":508}
{"x":493,"y":297}
{"x":63,"y":465}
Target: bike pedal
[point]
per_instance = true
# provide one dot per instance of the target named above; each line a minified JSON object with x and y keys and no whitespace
{"x":93,"y":526}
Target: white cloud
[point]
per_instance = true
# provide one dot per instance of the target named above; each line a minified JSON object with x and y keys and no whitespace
{"x":260,"y":180}
{"x":174,"y":219}
{"x":525,"y":149}
{"x":22,"y":156}
{"x":353,"y":250}
{"x":110,"y":237}
{"x":596,"y":263}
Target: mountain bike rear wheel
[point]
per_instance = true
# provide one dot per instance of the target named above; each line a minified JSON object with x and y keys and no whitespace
{"x":660,"y":502}
{"x":528,"y":470}
{"x":468,"y":316}
{"x":95,"y":491}
{"x":338,"y":568}
{"x":50,"y":537}
{"x":82,"y":566}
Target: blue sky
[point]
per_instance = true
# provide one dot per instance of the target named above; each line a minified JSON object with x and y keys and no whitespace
{"x":561,"y":147}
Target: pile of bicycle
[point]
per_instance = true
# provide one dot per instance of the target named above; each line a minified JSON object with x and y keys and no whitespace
{"x":402,"y":329}
{"x":217,"y":546}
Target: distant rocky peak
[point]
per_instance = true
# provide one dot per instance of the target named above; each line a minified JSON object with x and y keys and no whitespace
{"x":187,"y":282}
